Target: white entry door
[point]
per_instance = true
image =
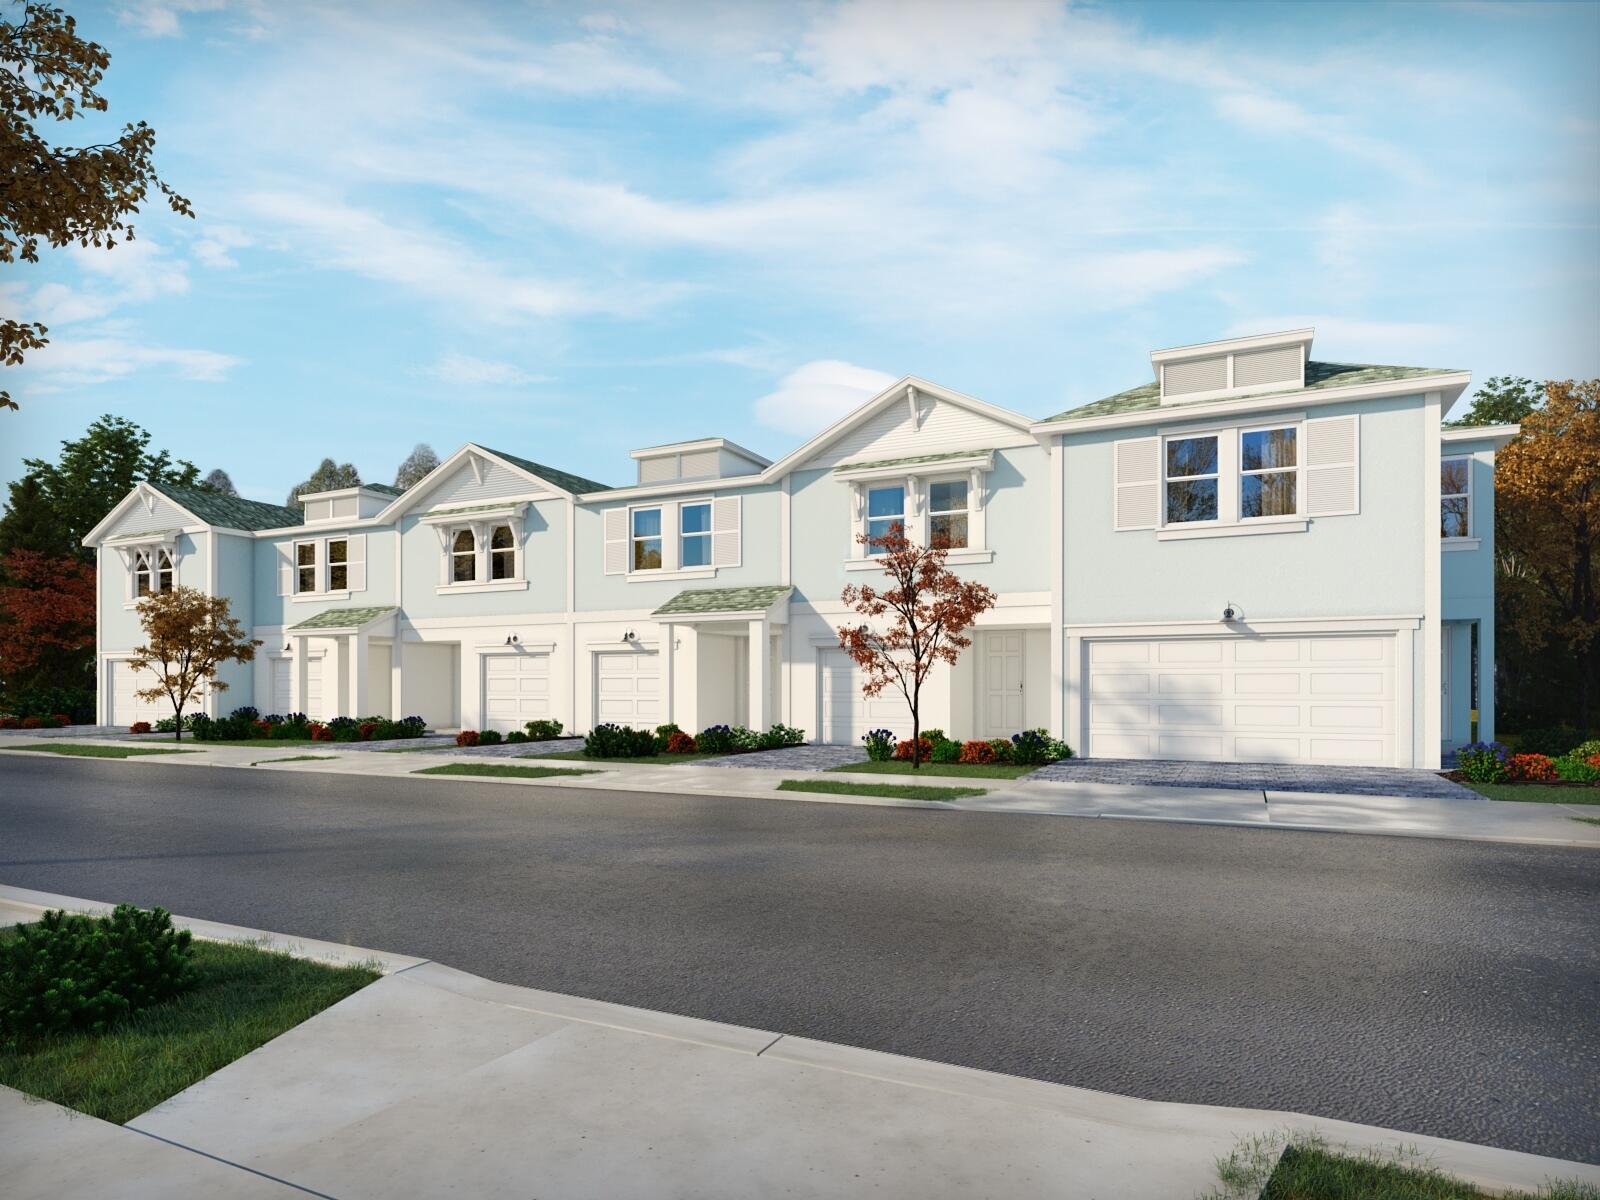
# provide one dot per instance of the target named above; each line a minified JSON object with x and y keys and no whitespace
{"x":1323,"y":699}
{"x":125,"y":708}
{"x":846,"y":714}
{"x":1003,"y":682}
{"x":516,"y":690}
{"x":627,"y":688}
{"x":283,"y":687}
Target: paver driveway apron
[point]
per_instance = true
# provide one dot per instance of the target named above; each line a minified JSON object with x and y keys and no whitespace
{"x":1257,"y":777}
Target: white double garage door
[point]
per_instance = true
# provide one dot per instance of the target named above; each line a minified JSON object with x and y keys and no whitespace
{"x":1319,"y":699}
{"x":517,"y":688}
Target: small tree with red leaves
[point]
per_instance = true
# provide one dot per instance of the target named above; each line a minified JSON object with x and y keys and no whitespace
{"x":919,"y":620}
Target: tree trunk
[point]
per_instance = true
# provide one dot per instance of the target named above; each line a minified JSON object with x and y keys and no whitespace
{"x":916,"y":729}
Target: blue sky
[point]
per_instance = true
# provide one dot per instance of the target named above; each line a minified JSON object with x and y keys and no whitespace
{"x":569,"y":231}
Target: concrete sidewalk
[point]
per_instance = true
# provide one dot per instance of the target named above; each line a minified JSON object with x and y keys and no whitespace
{"x":432,"y":1081}
{"x":1473,"y":818}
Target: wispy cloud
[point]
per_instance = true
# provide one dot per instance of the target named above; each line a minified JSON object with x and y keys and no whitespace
{"x":816,"y":395}
{"x":463,"y":370}
{"x":75,"y":362}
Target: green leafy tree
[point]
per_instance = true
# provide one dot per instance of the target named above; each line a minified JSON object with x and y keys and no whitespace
{"x":95,"y":472}
{"x":32,"y":523}
{"x":60,"y":195}
{"x":328,"y":476}
{"x":1502,"y":400}
{"x":188,"y":636}
{"x":418,"y":463}
{"x":219,"y":482}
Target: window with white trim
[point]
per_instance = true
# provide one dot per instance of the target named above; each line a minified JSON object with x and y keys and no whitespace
{"x":502,"y":553}
{"x":463,"y":557}
{"x":1455,"y":497}
{"x":646,"y":533}
{"x":948,"y":511}
{"x":305,"y":560}
{"x":1191,"y":479}
{"x":1269,"y":473}
{"x":886,"y":508}
{"x":338,"y":565}
{"x":152,"y":572}
{"x":316,"y":567}
{"x":694,"y":535}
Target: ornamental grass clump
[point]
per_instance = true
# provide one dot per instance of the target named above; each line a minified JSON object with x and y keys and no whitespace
{"x":880,"y":744}
{"x":74,"y":972}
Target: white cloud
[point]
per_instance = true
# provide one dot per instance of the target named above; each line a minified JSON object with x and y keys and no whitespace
{"x":212,"y":249}
{"x":463,"y":370}
{"x":1353,"y":339}
{"x":92,"y":360}
{"x":816,"y":395}
{"x":163,"y":18}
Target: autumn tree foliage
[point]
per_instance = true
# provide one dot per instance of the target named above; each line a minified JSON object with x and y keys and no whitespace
{"x":916,"y":622}
{"x":60,"y":195}
{"x":188,"y":635}
{"x":1547,"y":541}
{"x":48,"y":605}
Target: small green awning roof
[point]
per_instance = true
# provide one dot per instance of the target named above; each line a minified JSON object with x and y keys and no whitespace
{"x":699,"y":602}
{"x":918,"y":460}
{"x":341,"y":618}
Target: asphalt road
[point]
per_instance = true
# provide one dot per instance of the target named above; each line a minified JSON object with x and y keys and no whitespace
{"x":1449,"y":988}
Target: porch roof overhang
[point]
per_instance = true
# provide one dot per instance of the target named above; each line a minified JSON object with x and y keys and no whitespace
{"x":705,"y":605}
{"x":332,"y":621}
{"x":922,"y":464}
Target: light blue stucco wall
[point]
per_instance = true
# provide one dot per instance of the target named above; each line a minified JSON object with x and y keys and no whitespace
{"x":544,"y":551}
{"x":1466,"y":584}
{"x":235,"y":566}
{"x":273,"y":609}
{"x":119,"y":626}
{"x":1351,"y":566}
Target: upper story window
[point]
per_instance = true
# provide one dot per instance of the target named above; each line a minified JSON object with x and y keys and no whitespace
{"x":646,"y":539}
{"x":485,"y":554}
{"x":886,"y":508}
{"x":463,"y":557}
{"x":947,"y":513}
{"x":1455,"y":498}
{"x":1191,"y":474}
{"x":152,"y":572}
{"x":319,"y":567}
{"x":1269,"y":476}
{"x":338,"y":565}
{"x":502,"y":553}
{"x":305,"y":559}
{"x":694,"y":544}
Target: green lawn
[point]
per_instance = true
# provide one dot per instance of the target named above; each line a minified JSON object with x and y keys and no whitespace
{"x":254,"y":743}
{"x":959,"y":770}
{"x":87,"y":751}
{"x":1537,"y":793}
{"x":892,"y":791}
{"x":501,"y":771}
{"x":658,"y":760}
{"x":1588,"y":820}
{"x":294,"y":758}
{"x":244,"y":998}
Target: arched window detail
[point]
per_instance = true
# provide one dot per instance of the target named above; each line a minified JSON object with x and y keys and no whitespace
{"x":141,"y":575}
{"x":502,"y":553}
{"x":163,"y":572}
{"x":463,"y":557}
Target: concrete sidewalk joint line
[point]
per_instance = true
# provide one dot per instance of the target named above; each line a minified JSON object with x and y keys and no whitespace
{"x":217,"y":1158}
{"x":770,"y":1045}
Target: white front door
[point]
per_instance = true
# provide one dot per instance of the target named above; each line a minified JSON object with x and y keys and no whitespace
{"x":516,"y":690}
{"x":627,"y":688}
{"x":1004,"y":678}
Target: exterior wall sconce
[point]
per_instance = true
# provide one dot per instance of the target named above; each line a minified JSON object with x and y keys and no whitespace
{"x":628,"y":636}
{"x":512,"y":639}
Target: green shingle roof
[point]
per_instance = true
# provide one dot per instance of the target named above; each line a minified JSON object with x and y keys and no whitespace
{"x":342,"y":618}
{"x":231,"y":511}
{"x":564,"y":480}
{"x":1319,"y":375}
{"x":910,"y":462}
{"x":384,"y":488}
{"x":699,"y":601}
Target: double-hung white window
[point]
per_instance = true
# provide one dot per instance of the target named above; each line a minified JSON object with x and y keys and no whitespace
{"x":480,"y":555}
{"x":1455,"y":497}
{"x":463,"y":557}
{"x":948,"y":513}
{"x":694,"y":537}
{"x":1191,"y":479}
{"x":886,"y":508}
{"x":324,"y":566}
{"x":338,"y":565}
{"x":152,"y":572}
{"x":646,"y":539}
{"x":1269,"y":473}
{"x":689,"y":538}
{"x":305,"y":568}
{"x":502,"y":553}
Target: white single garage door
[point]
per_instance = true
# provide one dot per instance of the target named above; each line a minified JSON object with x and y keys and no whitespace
{"x":516,"y":690}
{"x":627,"y":688}
{"x":125,"y":708}
{"x":847,"y":715}
{"x":1323,"y":699}
{"x":283,"y":687}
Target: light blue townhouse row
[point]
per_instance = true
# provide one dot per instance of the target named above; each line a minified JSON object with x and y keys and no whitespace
{"x":1254,"y":556}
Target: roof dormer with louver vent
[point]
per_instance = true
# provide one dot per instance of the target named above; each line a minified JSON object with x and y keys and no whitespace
{"x":1268,"y":362}
{"x":707,"y":458}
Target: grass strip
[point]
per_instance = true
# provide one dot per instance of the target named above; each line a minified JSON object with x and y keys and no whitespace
{"x":244,"y":998}
{"x":956,"y":770}
{"x":892,"y":791}
{"x":501,"y":771}
{"x":82,"y":751}
{"x":1316,"y":1173}
{"x":267,"y":762}
{"x":647,"y":760}
{"x":1537,"y":793}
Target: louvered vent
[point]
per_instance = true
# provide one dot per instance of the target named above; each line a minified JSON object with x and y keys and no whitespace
{"x":1196,"y":375}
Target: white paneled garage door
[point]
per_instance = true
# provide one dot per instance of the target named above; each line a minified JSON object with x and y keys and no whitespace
{"x":125,"y":708}
{"x":283,"y":687}
{"x":1322,"y":699}
{"x":627,"y":688}
{"x":516,"y":690}
{"x":846,"y":714}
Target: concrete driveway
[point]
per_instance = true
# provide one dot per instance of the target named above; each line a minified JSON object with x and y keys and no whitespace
{"x":1258,"y":777}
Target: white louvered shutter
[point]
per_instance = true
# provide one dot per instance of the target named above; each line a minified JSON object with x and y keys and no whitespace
{"x":616,"y":536}
{"x":355,"y":557}
{"x":1333,"y":479}
{"x":1138,"y":483}
{"x":286,"y":569}
{"x":725,"y":531}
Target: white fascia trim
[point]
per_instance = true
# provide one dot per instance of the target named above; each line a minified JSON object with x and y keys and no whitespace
{"x":713,"y":443}
{"x":345,"y":491}
{"x":491,"y":512}
{"x":492,"y":585}
{"x":1498,"y":434}
{"x":1452,"y":384}
{"x":1259,"y":341}
{"x":646,"y":491}
{"x":1183,"y":533}
{"x":983,"y":462}
{"x":138,"y":491}
{"x":1143,"y":629}
{"x":413,"y":495}
{"x":490,"y":649}
{"x":1460,"y":543}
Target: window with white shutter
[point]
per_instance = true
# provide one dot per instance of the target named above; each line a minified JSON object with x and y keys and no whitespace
{"x":617,"y":541}
{"x":1332,"y":474}
{"x":285,"y":568}
{"x":725,"y":548}
{"x":1137,"y":502}
{"x":356,"y":562}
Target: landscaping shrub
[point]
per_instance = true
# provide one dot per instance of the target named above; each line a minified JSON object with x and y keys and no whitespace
{"x":1482,"y":762}
{"x":1530,"y":768}
{"x":1030,"y":748}
{"x":1553,"y":742}
{"x":945,"y":751}
{"x":681,"y":743}
{"x":620,"y":741}
{"x":1002,"y":749}
{"x":33,"y":722}
{"x":489,"y":737}
{"x":779,"y":736}
{"x":880,"y":744}
{"x":10,"y":722}
{"x":543,"y":731}
{"x":73,"y":972}
{"x":75,"y":703}
{"x":715,"y":739}
{"x":902,"y":750}
{"x":978,"y":753}
{"x":286,"y":732}
{"x":1584,"y":751}
{"x":139,"y":727}
{"x":515,"y":736}
{"x":366,"y":729}
{"x":467,"y":737}
{"x":247,"y":712}
{"x":1575,"y":770}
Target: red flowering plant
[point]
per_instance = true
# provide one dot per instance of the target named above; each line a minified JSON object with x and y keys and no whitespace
{"x":320,"y":732}
{"x":924,"y":748}
{"x":679,"y":742}
{"x":467,"y":737}
{"x":139,"y":727}
{"x":1530,"y":768}
{"x":978,"y":753}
